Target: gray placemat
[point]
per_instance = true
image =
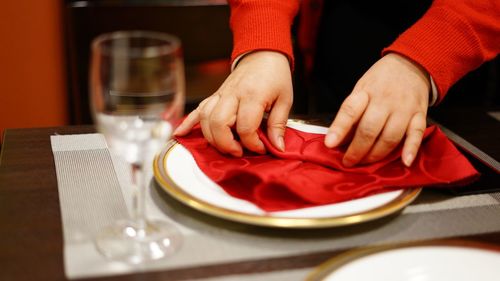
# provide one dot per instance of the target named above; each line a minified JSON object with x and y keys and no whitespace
{"x":89,"y":192}
{"x":94,"y":190}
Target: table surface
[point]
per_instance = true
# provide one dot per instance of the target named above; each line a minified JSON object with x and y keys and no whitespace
{"x":31,"y":240}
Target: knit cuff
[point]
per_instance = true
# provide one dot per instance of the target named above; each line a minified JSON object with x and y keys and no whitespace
{"x":444,"y":44}
{"x":262,"y":25}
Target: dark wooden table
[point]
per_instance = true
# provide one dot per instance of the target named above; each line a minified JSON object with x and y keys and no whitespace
{"x":31,"y":238}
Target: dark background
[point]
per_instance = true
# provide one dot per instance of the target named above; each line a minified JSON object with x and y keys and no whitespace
{"x":351,"y":36}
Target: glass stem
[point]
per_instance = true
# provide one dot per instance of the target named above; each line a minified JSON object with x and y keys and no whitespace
{"x":139,"y":200}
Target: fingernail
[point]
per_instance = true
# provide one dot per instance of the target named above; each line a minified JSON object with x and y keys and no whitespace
{"x":331,"y":139}
{"x":262,"y":149}
{"x":281,"y":143}
{"x":177,"y":130}
{"x":237,"y":153}
{"x":408,"y":159}
{"x":347,"y":162}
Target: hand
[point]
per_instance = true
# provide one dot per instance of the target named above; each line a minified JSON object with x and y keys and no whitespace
{"x":262,"y":82}
{"x":387,"y":103}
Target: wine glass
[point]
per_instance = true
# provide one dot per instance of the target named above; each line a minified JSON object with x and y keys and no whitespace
{"x":137,"y":96}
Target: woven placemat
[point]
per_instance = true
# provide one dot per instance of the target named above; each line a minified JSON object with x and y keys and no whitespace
{"x":94,"y":190}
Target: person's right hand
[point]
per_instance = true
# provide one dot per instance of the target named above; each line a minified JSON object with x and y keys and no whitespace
{"x":261,"y":83}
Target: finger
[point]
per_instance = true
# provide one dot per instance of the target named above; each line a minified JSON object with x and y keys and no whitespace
{"x":349,"y":136}
{"x":276,"y":122}
{"x":247,"y":122}
{"x":348,"y":115}
{"x":188,"y":123}
{"x":414,"y":135}
{"x":391,"y":136}
{"x":205,"y":109}
{"x":368,"y":130}
{"x":222,"y":118}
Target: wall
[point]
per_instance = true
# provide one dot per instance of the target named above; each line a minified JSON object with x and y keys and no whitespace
{"x":32,"y":75}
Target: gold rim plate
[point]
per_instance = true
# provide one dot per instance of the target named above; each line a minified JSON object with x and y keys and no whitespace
{"x":395,"y":202}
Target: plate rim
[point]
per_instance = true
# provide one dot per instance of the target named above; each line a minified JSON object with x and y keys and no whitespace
{"x":335,"y":263}
{"x":168,"y":185}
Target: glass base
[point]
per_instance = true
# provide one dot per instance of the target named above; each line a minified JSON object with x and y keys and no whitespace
{"x":124,"y":241}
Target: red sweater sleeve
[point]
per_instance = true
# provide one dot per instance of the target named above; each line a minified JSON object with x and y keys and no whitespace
{"x":262,"y":25}
{"x":451,"y":39}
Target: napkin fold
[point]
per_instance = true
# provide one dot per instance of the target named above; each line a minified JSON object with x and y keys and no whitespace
{"x":308,"y":173}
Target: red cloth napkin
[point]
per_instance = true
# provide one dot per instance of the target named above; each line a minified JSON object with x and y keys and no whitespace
{"x":310,"y":174}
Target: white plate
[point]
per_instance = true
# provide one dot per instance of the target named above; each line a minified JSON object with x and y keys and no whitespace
{"x":418,"y":262}
{"x":176,"y":171}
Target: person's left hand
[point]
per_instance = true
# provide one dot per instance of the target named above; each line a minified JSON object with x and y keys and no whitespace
{"x":388,"y":103}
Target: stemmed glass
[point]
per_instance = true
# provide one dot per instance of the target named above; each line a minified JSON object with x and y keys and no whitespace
{"x":137,"y":96}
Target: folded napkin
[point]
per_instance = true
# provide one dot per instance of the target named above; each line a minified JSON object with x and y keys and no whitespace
{"x":309,"y":174}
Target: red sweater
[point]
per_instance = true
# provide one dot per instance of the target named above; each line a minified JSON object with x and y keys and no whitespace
{"x":450,"y":40}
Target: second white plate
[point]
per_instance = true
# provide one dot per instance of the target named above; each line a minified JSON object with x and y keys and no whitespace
{"x":448,"y":260}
